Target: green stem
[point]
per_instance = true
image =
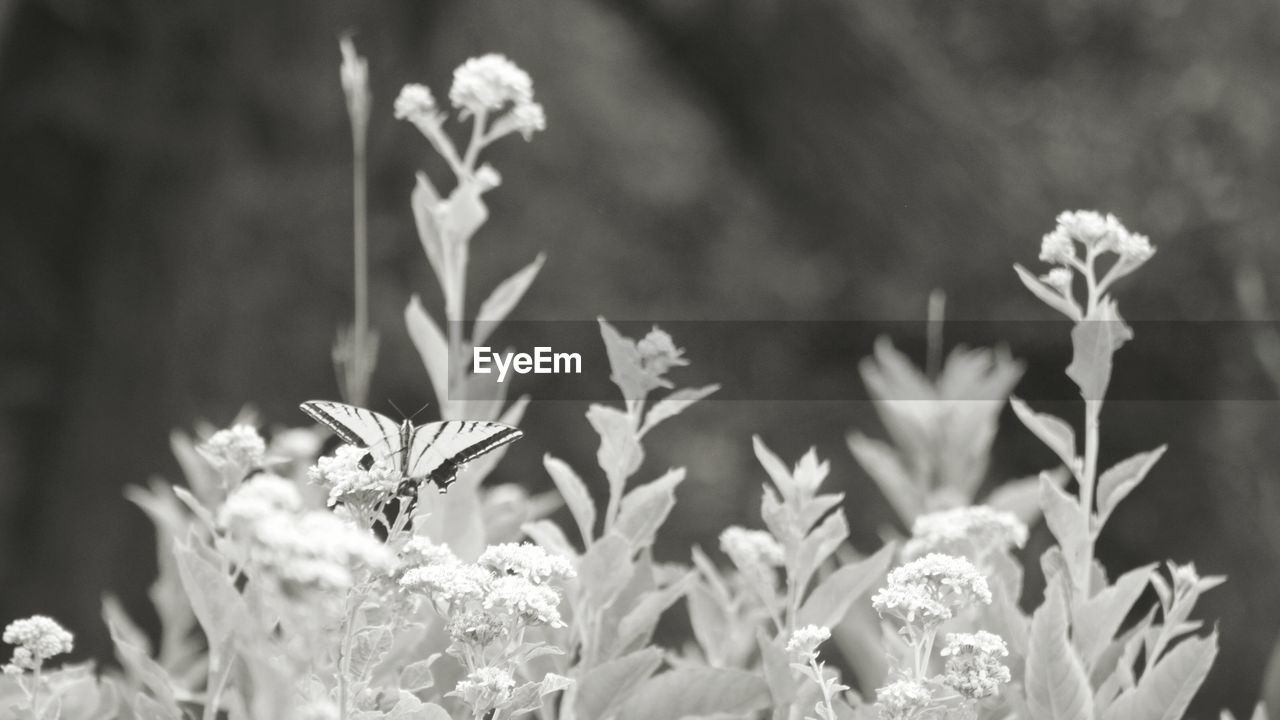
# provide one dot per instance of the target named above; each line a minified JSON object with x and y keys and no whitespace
{"x":359,"y":390}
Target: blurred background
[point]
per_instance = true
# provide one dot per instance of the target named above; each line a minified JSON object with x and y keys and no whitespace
{"x":175,"y":239}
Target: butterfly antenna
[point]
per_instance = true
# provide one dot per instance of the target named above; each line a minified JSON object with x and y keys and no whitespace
{"x":415,"y":414}
{"x":397,"y":407}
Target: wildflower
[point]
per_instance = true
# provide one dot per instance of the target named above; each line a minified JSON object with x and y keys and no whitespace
{"x":978,"y":529}
{"x":1059,"y":279}
{"x":37,"y":638}
{"x":1091,"y":229}
{"x":902,"y":700}
{"x":1134,"y":248}
{"x":488,"y":83}
{"x":928,"y":590}
{"x":239,"y":446}
{"x":751,"y":549}
{"x":421,"y":551}
{"x":1056,"y":248}
{"x":802,"y":648}
{"x":519,"y":598}
{"x":416,"y":104}
{"x":526,"y":560}
{"x":296,"y":548}
{"x":658,"y":353}
{"x":450,"y":583}
{"x":351,"y":483}
{"x":485,"y":688}
{"x":528,"y":118}
{"x":487,"y":178}
{"x":973,"y":666}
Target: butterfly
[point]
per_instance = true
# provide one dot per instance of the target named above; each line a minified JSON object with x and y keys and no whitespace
{"x":434,"y":452}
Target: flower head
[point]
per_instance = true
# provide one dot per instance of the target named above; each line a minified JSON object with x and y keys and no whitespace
{"x":972,"y":531}
{"x":974,"y":668}
{"x":239,"y":446}
{"x":528,"y":118}
{"x":804,"y":642}
{"x":1059,"y":279}
{"x":488,"y":83}
{"x":751,"y":550}
{"x":485,"y":688}
{"x":522,"y":599}
{"x":1056,"y":248}
{"x":658,"y":353}
{"x":526,"y":560}
{"x":902,"y":700}
{"x":450,"y":583}
{"x":37,"y":638}
{"x":351,"y":483}
{"x":927,"y":591}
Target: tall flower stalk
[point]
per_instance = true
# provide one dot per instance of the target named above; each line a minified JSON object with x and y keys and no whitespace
{"x":355,"y":352}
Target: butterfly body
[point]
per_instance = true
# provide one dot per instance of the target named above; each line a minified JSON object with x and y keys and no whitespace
{"x":434,"y":452}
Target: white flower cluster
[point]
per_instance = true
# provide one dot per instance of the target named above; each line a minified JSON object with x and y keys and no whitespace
{"x":484,"y":602}
{"x":486,"y":687}
{"x":751,"y":550}
{"x":37,"y":638}
{"x":972,"y":531}
{"x":239,"y":446}
{"x":902,"y":700}
{"x":927,"y":591}
{"x":658,"y":353}
{"x":489,"y":82}
{"x":526,"y":560}
{"x":1097,"y":233}
{"x":350,"y":483}
{"x":803,"y":645}
{"x":299,"y":549}
{"x":416,"y":104}
{"x":974,"y":668}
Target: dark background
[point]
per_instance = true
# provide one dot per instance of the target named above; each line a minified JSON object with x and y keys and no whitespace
{"x":175,"y":237}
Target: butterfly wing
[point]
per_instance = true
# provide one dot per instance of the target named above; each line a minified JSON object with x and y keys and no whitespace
{"x":437,"y":451}
{"x":357,"y":426}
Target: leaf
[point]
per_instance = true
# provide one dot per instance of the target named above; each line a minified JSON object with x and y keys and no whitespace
{"x":218,"y":607}
{"x":575,"y":494}
{"x":605,"y":570}
{"x":1051,"y":297}
{"x":894,"y":480}
{"x":550,"y":537}
{"x":423,"y":198}
{"x":773,"y":465}
{"x":368,"y":648}
{"x":603,"y":689}
{"x":1120,"y":479}
{"x":830,"y":600}
{"x":432,"y":347}
{"x":503,"y":299}
{"x":620,"y":453}
{"x":1165,"y":691}
{"x":1057,"y":687}
{"x":645,"y":508}
{"x":816,"y":547}
{"x":707,"y":617}
{"x":674,"y":404}
{"x":1066,"y":521}
{"x":1094,"y":340}
{"x":639,"y":622}
{"x":139,"y":665}
{"x":777,"y":670}
{"x":417,"y":675}
{"x":1098,"y":618}
{"x":409,"y":707}
{"x":626,"y":369}
{"x":1052,"y":431}
{"x":697,"y":691}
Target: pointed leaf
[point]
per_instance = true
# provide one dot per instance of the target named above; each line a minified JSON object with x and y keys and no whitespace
{"x":1066,"y":521}
{"x":831,"y":599}
{"x":1057,"y":687}
{"x":645,"y":508}
{"x":1120,"y":479}
{"x":620,"y":453}
{"x":816,"y":547}
{"x":1051,"y":297}
{"x":1165,"y":691}
{"x":1052,"y":431}
{"x":575,"y":494}
{"x":1098,"y":618}
{"x":432,"y":347}
{"x":1094,"y":340}
{"x":604,"y":689}
{"x":605,"y":570}
{"x":894,"y":480}
{"x":503,"y":299}
{"x":674,"y":404}
{"x":220,"y":609}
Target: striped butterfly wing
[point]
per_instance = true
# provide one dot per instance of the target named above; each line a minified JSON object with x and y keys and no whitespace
{"x":379,"y":434}
{"x":438,"y":450}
